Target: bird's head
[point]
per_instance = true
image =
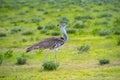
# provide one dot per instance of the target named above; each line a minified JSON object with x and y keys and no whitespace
{"x":62,"y":25}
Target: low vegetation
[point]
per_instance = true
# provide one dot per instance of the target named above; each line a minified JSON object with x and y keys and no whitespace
{"x":83,"y":17}
{"x":92,"y":51}
{"x":24,"y":39}
{"x":116,"y":30}
{"x":1,"y":59}
{"x":29,"y":32}
{"x":104,"y":32}
{"x":71,"y":30}
{"x":105,"y":15}
{"x":35,"y":19}
{"x":43,"y":31}
{"x":55,"y":33}
{"x":39,"y":27}
{"x":21,"y":60}
{"x":104,"y":61}
{"x":63,"y":19}
{"x":8,"y":54}
{"x":3,"y":34}
{"x":118,"y":41}
{"x":15,"y":29}
{"x":83,"y":48}
{"x":50,"y":26}
{"x":78,"y":24}
{"x":50,"y":65}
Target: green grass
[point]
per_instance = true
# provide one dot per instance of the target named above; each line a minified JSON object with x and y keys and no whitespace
{"x":26,"y":15}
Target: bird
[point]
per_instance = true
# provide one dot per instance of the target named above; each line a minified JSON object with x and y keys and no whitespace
{"x":52,"y":43}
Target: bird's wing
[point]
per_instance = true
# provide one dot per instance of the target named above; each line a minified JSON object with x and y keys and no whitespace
{"x":48,"y":43}
{"x":51,"y":43}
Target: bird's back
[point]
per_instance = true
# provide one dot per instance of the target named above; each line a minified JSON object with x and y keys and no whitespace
{"x":51,"y":43}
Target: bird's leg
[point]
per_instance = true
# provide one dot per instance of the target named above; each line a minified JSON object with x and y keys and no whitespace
{"x":46,"y":55}
{"x":56,"y":55}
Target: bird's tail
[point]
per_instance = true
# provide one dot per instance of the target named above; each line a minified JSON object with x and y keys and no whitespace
{"x":33,"y":47}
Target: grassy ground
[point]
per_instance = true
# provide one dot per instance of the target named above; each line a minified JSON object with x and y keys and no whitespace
{"x":98,"y":27}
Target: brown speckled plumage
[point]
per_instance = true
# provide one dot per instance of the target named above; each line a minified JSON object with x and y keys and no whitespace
{"x":50,"y":43}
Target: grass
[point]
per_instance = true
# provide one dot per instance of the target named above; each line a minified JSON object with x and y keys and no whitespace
{"x":32,"y":21}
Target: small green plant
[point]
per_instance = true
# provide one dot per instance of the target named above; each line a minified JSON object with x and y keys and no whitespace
{"x":14,"y":22}
{"x":55,"y":33}
{"x":103,"y":22}
{"x":31,"y":6}
{"x":29,"y":32}
{"x":118,"y":41}
{"x":50,"y":65}
{"x":95,"y":31}
{"x":64,"y":19}
{"x":15,"y":29}
{"x":21,"y":60}
{"x":49,"y":26}
{"x":46,"y":12}
{"x":1,"y":59}
{"x":117,"y":21}
{"x":96,"y":10}
{"x":8,"y":54}
{"x":48,"y":33}
{"x":71,"y":30}
{"x":22,"y":13}
{"x":40,"y":9}
{"x":83,"y":17}
{"x":39,"y":27}
{"x":83,"y":48}
{"x":105,"y":15}
{"x":24,"y":39}
{"x":104,"y":32}
{"x":35,"y":19}
{"x":43,"y":31}
{"x":2,"y":34}
{"x":78,"y":24}
{"x":116,"y":30}
{"x":104,"y":61}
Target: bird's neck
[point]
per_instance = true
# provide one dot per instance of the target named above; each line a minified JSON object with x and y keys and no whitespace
{"x":64,"y":34}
